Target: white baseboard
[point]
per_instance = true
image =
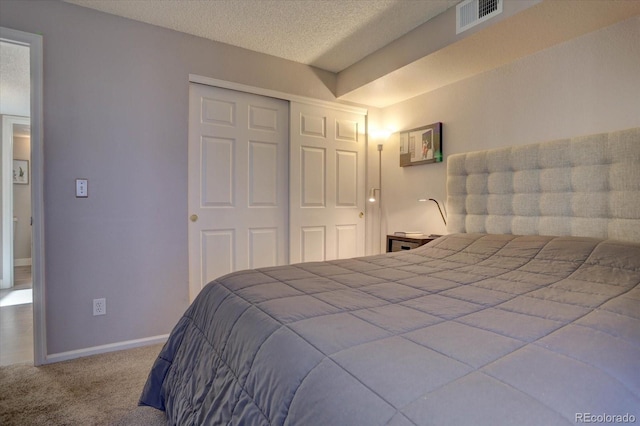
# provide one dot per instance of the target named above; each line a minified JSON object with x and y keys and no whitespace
{"x":22,"y":262}
{"x":95,"y":350}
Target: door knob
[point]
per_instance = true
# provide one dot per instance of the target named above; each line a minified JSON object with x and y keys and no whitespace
{"x":194,"y":218}
{"x":361,"y":215}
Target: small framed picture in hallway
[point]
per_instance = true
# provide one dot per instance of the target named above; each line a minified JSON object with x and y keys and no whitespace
{"x":21,"y":172}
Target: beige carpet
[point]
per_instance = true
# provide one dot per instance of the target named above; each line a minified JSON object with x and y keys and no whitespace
{"x":96,"y":390}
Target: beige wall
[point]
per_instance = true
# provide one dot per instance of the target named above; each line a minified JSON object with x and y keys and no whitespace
{"x":587,"y":85}
{"x":22,"y":205}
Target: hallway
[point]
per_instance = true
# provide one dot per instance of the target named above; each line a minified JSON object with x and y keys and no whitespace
{"x":16,"y":319}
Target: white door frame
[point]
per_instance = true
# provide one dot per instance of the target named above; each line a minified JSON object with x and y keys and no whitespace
{"x":34,"y":42}
{"x":194,"y":78}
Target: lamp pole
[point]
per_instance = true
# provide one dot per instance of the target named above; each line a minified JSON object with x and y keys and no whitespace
{"x":380,"y":239}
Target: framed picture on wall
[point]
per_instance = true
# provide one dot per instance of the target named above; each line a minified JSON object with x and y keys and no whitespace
{"x":421,"y":145}
{"x":21,"y":172}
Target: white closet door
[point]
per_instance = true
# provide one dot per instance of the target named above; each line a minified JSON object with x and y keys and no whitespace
{"x":238,"y":183}
{"x":327,"y":192}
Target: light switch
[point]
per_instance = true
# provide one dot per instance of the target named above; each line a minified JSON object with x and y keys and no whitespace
{"x":82,"y":188}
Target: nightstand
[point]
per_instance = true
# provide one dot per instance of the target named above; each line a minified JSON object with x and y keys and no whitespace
{"x":398,"y":243}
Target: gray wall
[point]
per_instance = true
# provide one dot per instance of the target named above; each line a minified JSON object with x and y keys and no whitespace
{"x":115,"y":112}
{"x":587,"y":85}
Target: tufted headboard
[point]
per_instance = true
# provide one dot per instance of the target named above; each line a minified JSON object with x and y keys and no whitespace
{"x":585,"y":186}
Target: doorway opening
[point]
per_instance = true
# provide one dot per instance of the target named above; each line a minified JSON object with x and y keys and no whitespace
{"x":16,"y":286}
{"x":22,"y":308}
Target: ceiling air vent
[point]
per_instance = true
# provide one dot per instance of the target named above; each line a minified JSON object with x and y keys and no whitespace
{"x":470,"y":13}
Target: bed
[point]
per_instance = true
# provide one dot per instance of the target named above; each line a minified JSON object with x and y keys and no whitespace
{"x":527,"y":312}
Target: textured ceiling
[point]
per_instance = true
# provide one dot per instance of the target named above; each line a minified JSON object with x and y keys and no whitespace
{"x":14,"y":79}
{"x":327,"y":34}
{"x":530,"y":30}
{"x":378,"y":36}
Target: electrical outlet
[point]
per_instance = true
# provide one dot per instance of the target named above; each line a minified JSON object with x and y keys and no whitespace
{"x":99,"y":306}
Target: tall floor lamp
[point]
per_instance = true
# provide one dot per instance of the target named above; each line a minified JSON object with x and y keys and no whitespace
{"x":372,"y":192}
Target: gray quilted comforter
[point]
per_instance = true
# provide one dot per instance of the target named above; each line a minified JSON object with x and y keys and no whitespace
{"x":469,"y":329}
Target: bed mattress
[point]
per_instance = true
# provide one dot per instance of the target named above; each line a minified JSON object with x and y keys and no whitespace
{"x":468,"y":329}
